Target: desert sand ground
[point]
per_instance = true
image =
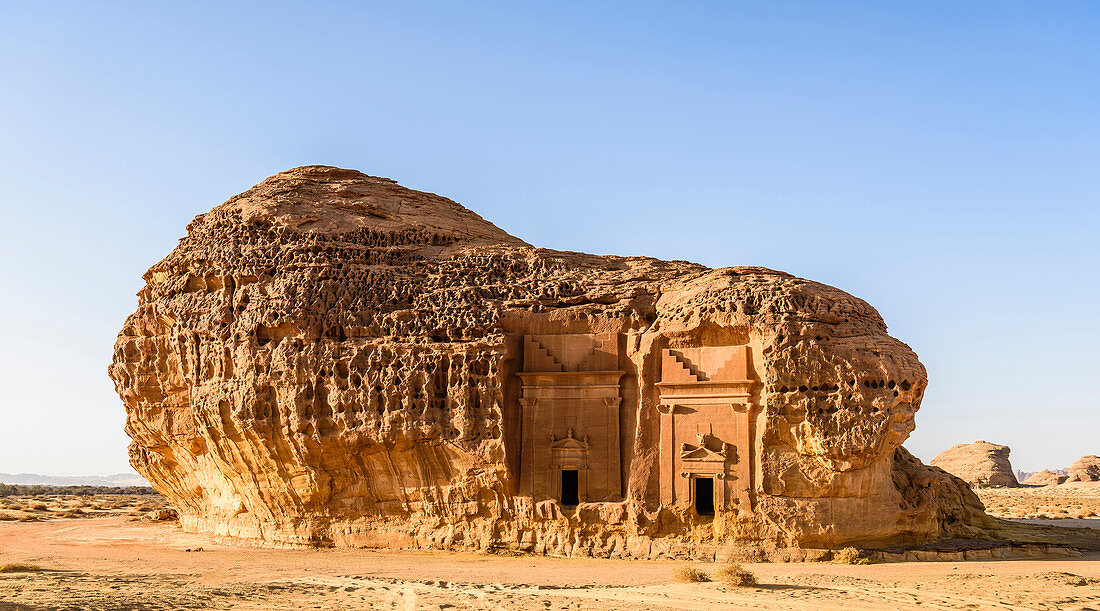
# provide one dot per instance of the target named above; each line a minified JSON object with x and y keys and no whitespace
{"x":1080,"y":500}
{"x":119,"y":563}
{"x":38,"y":507}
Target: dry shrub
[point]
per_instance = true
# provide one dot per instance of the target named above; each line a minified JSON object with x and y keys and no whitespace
{"x":689,"y":574}
{"x":39,"y":507}
{"x":736,"y":575}
{"x":1068,"y":579}
{"x":7,"y":517}
{"x":850,"y":555}
{"x":19,"y":567}
{"x":26,"y":518}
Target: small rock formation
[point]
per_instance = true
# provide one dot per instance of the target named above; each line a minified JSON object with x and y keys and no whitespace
{"x":1084,"y":469}
{"x":1046,"y":478}
{"x":332,"y":359}
{"x":979,"y":464}
{"x":160,"y":515}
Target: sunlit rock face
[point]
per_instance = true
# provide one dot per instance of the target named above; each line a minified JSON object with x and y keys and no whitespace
{"x":980,"y":464}
{"x":1085,"y":469}
{"x":332,"y":359}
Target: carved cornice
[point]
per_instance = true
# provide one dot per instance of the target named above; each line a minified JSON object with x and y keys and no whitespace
{"x":683,"y":403}
{"x":732,"y":391}
{"x":572,"y":385}
{"x":570,"y":378}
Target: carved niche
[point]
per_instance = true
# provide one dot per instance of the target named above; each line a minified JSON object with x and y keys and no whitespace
{"x":570,"y":448}
{"x":707,"y":415}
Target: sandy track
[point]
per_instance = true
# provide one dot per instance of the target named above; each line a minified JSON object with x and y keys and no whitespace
{"x":109,"y":563}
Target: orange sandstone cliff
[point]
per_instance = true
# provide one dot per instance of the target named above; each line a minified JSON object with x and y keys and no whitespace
{"x":332,"y":359}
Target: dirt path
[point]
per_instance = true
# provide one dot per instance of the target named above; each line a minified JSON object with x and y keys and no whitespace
{"x":109,"y":563}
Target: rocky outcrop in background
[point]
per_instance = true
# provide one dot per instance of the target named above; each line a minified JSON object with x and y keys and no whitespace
{"x":1046,"y":478}
{"x":329,"y":359}
{"x":979,"y":464}
{"x":1084,"y":469}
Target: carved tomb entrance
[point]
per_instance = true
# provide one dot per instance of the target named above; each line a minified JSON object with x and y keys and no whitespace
{"x":570,"y":422}
{"x":706,"y":450}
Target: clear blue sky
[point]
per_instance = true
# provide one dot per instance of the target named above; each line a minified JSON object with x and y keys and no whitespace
{"x":939,"y":159}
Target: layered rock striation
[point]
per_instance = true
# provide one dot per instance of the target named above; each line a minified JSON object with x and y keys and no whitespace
{"x":979,"y":464}
{"x":332,"y":359}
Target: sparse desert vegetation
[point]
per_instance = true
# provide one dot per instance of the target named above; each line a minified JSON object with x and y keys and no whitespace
{"x":690,"y":574}
{"x":736,"y":575}
{"x":1075,"y":500}
{"x":19,"y":567}
{"x":36,"y":503}
{"x":850,"y":555}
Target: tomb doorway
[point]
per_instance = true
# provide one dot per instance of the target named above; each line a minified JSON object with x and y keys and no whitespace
{"x":570,"y":488}
{"x":704,"y":496}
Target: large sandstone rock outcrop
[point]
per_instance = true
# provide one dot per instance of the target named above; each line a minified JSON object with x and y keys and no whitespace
{"x":1084,"y":469}
{"x":979,"y":464}
{"x":330,"y":358}
{"x":1045,"y":478}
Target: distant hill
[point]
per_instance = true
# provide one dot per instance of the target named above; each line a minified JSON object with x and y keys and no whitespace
{"x":1023,"y":475}
{"x":30,"y":479}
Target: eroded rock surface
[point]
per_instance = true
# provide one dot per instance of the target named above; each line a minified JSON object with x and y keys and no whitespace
{"x":979,"y":464}
{"x":1084,"y":469}
{"x":331,"y":358}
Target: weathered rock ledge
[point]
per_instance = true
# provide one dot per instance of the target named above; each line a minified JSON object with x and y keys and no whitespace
{"x":332,"y":359}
